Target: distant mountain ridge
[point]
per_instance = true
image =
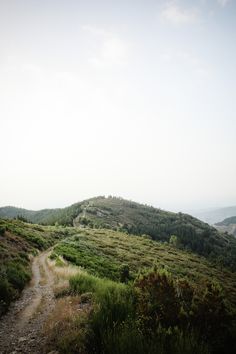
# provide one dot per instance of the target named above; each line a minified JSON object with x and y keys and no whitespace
{"x":227,"y":225}
{"x":216,"y":215}
{"x":227,"y":221}
{"x":127,"y":216}
{"x":40,"y":217}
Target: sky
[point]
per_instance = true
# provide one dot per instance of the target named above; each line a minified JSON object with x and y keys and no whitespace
{"x":128,"y":98}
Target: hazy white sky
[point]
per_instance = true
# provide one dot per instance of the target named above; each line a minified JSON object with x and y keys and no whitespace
{"x":130,"y":98}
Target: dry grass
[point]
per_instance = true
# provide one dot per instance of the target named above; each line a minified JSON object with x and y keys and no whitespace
{"x":69,"y":318}
{"x":43,"y":279}
{"x":62,"y":273}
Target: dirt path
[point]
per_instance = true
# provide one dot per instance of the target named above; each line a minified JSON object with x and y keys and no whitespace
{"x":20,"y":328}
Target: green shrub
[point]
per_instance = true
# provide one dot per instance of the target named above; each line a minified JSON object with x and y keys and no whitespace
{"x":17,"y":275}
{"x":124,"y":273}
{"x":59,"y":262}
{"x":114,"y":304}
{"x":119,"y":324}
{"x":157,"y":299}
{"x":83,"y":283}
{"x":53,"y":256}
{"x":7,"y":294}
{"x":2,"y":230}
{"x":127,"y":338}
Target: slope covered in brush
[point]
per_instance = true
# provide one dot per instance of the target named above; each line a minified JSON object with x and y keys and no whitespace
{"x":120,"y":257}
{"x":182,"y":229}
{"x":63,"y":216}
{"x":18,"y":242}
{"x":141,"y":296}
{"x":118,"y":214}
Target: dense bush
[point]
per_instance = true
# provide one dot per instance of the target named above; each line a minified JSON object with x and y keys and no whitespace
{"x":13,"y":278}
{"x":7,"y":293}
{"x":17,"y":275}
{"x":2,"y":230}
{"x":157,"y":314}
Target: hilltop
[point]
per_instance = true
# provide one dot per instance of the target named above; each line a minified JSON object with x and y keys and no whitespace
{"x":119,"y":214}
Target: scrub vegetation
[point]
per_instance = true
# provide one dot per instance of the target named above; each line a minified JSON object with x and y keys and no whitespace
{"x":20,"y":241}
{"x":138,"y":219}
{"x":121,"y":257}
{"x":143,"y":296}
{"x":130,"y":279}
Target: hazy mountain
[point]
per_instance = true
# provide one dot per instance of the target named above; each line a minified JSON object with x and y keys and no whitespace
{"x":213,"y":216}
{"x":44,"y":216}
{"x":227,"y":225}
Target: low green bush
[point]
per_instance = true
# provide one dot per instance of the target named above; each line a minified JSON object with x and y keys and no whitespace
{"x":127,"y":338}
{"x":7,"y":293}
{"x":2,"y":230}
{"x":17,"y":275}
{"x":83,"y":283}
{"x":13,"y":278}
{"x":157,"y":314}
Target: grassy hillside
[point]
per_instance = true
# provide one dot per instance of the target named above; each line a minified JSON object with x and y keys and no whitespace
{"x":18,"y":241}
{"x":110,"y":254}
{"x":141,"y":296}
{"x":45,"y":216}
{"x":138,"y":219}
{"x":134,"y":218}
{"x":63,"y":216}
{"x":135,"y":294}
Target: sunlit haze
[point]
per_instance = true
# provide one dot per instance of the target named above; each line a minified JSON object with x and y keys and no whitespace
{"x":127,"y":98}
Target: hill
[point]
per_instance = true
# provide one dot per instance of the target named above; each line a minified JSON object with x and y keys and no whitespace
{"x":134,"y":218}
{"x":105,"y":252}
{"x":137,"y":293}
{"x":44,"y":216}
{"x":213,"y":216}
{"x":227,"y":221}
{"x":126,"y":292}
{"x":227,"y":225}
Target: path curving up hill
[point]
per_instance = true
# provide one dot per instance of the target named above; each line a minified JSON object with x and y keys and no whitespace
{"x":21,"y":327}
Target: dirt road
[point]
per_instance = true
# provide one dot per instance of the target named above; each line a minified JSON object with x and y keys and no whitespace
{"x":20,"y":328}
